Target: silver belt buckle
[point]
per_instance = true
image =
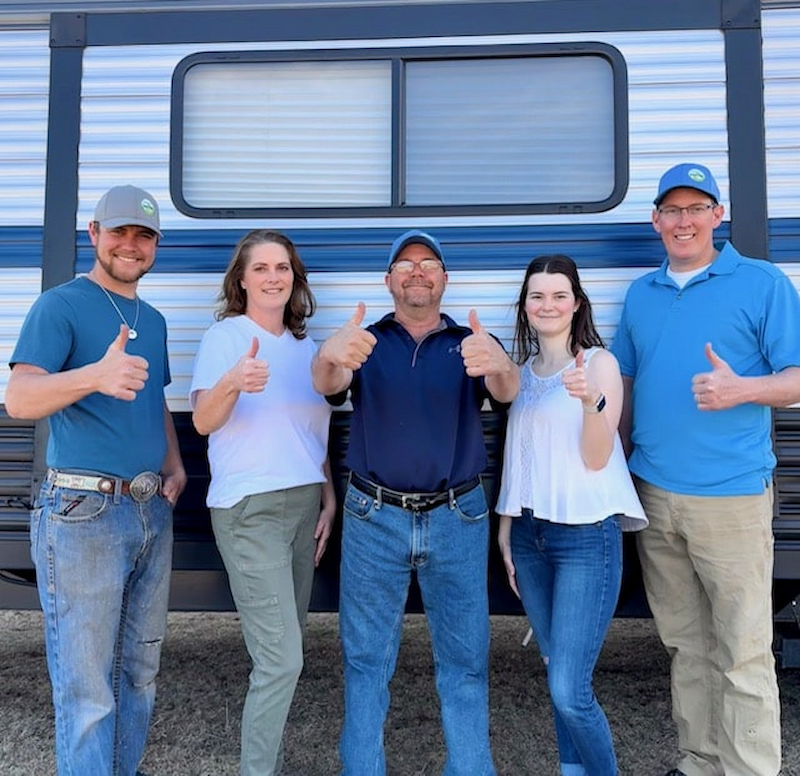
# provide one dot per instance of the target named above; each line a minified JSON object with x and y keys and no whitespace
{"x":144,"y":486}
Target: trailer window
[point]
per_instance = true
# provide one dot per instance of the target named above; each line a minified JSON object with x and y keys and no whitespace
{"x":535,"y":129}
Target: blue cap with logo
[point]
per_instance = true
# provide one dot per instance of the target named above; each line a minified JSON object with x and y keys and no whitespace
{"x":690,"y":176}
{"x":127,"y":206}
{"x":415,"y":236}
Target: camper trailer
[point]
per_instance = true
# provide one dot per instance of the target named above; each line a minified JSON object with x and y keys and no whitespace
{"x":508,"y":129}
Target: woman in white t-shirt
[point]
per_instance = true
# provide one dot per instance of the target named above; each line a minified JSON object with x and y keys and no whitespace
{"x":565,"y":497}
{"x":271,"y":497}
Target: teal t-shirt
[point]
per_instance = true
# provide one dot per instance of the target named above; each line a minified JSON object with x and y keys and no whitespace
{"x":71,"y":326}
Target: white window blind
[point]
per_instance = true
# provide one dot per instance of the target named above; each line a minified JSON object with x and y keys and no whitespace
{"x":282,"y":134}
{"x":518,"y":130}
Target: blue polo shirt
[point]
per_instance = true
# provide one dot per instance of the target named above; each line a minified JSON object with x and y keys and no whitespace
{"x":416,"y":423}
{"x":750,"y":313}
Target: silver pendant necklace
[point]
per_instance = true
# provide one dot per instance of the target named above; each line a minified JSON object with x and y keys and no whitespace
{"x":132,"y":333}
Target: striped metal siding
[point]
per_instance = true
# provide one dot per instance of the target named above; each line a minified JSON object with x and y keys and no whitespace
{"x":781,"y":47}
{"x":24,"y":78}
{"x":677,"y":110}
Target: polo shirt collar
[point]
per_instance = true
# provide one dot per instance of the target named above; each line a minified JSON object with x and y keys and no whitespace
{"x":725,"y":264}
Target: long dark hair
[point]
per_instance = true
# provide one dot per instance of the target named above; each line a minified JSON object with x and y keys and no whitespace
{"x":233,"y":298}
{"x":583,"y":333}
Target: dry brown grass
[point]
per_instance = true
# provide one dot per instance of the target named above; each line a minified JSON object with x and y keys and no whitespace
{"x":204,"y":672}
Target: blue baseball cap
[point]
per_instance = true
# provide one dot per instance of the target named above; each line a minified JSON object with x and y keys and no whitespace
{"x":690,"y":176}
{"x":419,"y":237}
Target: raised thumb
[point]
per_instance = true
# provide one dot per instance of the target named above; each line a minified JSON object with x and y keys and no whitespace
{"x":253,"y":348}
{"x":579,"y":359}
{"x":474,"y":323}
{"x":358,"y":315}
{"x":712,"y":357}
{"x":122,"y":338}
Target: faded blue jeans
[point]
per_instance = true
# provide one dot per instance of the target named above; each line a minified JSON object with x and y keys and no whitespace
{"x":448,"y":549}
{"x":569,"y":579}
{"x":103,"y":566}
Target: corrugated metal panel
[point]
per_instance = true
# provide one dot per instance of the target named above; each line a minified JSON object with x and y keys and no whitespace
{"x":188,"y":302}
{"x":20,"y":289}
{"x":24,"y":77}
{"x":782,"y":110}
{"x":677,"y":111}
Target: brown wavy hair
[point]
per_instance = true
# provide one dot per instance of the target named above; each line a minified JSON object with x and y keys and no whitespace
{"x":233,"y":298}
{"x":583,"y":333}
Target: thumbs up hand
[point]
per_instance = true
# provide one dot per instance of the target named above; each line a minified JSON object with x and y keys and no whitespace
{"x":579,"y":383}
{"x":121,"y":375}
{"x":483,"y":355}
{"x":350,"y":346}
{"x":250,"y":374}
{"x":719,"y":389}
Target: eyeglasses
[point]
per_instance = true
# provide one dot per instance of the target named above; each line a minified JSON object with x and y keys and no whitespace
{"x":406,"y":266}
{"x":673,"y":213}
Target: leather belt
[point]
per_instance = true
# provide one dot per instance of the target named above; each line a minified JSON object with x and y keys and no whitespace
{"x":419,"y":502}
{"x":141,"y":488}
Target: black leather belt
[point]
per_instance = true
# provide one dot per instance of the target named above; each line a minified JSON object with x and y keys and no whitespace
{"x":419,"y":502}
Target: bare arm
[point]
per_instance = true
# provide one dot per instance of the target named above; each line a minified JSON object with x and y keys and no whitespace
{"x":587,"y":383}
{"x":172,"y":471}
{"x":327,"y":514}
{"x":34,"y":393}
{"x":341,"y":354}
{"x":504,"y":543}
{"x":484,"y":357}
{"x":213,"y":406}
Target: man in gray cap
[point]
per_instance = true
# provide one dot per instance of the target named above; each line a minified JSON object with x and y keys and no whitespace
{"x":92,"y":358}
{"x":707,"y":344}
{"x":415,"y":504}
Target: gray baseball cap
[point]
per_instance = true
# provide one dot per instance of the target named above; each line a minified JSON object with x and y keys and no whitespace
{"x":128,"y":206}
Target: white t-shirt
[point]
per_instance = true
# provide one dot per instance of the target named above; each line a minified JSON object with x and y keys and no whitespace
{"x":275,"y":439}
{"x":543,"y":469}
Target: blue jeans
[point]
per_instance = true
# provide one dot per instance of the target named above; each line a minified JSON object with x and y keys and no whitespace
{"x":569,"y":579}
{"x":448,"y":549}
{"x":102,"y":567}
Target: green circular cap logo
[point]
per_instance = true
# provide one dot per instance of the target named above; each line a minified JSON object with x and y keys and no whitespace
{"x":698,"y":176}
{"x":147,"y":207}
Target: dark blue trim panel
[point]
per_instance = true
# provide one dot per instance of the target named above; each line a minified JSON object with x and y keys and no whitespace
{"x":466,"y":248}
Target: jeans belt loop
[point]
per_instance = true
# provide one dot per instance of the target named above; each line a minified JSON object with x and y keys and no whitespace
{"x":378,"y":497}
{"x":451,"y":498}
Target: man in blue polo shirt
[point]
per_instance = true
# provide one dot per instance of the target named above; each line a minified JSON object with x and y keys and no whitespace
{"x":707,"y":344}
{"x":415,"y":503}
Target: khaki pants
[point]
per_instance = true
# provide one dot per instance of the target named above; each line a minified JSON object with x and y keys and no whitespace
{"x":707,"y":567}
{"x":267,"y":544}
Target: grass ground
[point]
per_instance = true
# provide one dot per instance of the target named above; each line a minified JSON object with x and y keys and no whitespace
{"x":195,"y":731}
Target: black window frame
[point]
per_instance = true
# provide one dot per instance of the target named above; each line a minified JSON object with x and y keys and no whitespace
{"x":398,"y":58}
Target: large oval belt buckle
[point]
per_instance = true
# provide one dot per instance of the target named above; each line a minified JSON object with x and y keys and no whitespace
{"x":144,"y":486}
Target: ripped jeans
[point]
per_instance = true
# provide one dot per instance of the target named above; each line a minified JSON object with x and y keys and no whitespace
{"x":103,"y":566}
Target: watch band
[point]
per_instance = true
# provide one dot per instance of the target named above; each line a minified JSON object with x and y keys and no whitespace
{"x":597,"y":407}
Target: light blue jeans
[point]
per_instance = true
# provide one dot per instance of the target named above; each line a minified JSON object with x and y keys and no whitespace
{"x":448,"y":549}
{"x":569,"y":579}
{"x":267,"y":544}
{"x":103,"y":568}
